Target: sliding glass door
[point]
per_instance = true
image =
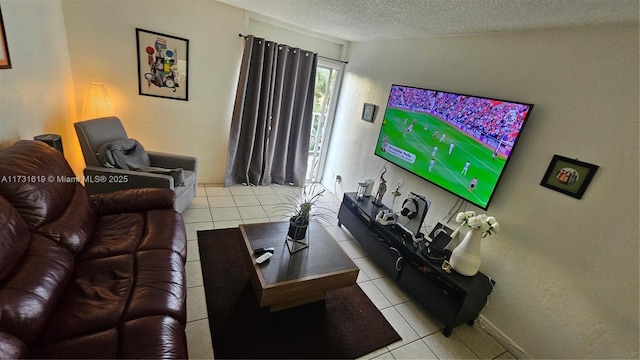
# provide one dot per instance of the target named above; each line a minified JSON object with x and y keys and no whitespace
{"x":328,"y":77}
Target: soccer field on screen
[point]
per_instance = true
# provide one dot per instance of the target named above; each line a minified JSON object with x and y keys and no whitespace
{"x":413,"y":147}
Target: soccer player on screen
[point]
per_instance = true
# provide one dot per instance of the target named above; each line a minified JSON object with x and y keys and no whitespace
{"x":466,"y":168}
{"x":431,"y":163}
{"x":451,"y":146}
{"x":473,"y":184}
{"x":410,"y":128}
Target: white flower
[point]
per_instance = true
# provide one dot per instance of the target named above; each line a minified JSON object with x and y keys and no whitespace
{"x":486,"y":224}
{"x":474,"y":222}
{"x":464,"y":216}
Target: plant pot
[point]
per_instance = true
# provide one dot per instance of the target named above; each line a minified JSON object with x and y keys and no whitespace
{"x":297,"y":238}
{"x":465,"y":258}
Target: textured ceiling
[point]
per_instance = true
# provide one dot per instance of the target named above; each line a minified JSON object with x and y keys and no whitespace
{"x":361,"y":20}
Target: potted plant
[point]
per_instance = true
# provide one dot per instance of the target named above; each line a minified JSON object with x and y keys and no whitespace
{"x":300,"y":209}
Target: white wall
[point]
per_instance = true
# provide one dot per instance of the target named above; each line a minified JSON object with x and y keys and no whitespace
{"x":102,"y":47}
{"x":36,"y":94}
{"x":566,"y":269}
{"x":273,"y":30}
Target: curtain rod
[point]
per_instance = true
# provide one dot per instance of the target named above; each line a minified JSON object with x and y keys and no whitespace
{"x":320,"y":56}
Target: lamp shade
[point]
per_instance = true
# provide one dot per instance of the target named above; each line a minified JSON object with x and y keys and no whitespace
{"x":96,"y":102}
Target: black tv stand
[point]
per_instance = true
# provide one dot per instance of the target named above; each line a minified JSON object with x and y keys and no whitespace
{"x":452,"y":298}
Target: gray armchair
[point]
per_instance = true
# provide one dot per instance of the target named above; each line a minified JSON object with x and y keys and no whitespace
{"x":100,"y":179}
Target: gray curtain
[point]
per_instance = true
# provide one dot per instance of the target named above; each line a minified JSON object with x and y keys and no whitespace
{"x":272,"y":115}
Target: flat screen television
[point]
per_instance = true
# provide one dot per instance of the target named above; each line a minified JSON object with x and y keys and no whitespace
{"x":458,"y":142}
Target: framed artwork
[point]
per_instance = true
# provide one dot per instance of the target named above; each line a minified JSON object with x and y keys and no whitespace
{"x":368,"y":112}
{"x":5,"y":60}
{"x":568,"y":176}
{"x":163,"y":62}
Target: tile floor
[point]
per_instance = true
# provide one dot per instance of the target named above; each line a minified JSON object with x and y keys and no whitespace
{"x":216,"y":207}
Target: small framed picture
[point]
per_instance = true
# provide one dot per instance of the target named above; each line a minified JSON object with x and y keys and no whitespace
{"x":568,"y":176}
{"x":368,"y":112}
{"x":5,"y":61}
{"x":162,"y":65}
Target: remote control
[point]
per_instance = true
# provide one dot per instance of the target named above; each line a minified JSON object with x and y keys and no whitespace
{"x":264,"y":257}
{"x":258,"y":252}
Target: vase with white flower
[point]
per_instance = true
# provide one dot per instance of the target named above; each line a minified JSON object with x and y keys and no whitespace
{"x":465,"y":258}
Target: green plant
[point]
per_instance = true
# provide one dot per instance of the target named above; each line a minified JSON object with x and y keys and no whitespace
{"x":302,"y":206}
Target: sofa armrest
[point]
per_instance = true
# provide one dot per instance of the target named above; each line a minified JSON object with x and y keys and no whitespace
{"x":102,"y":179}
{"x":11,"y":347}
{"x":132,"y":200}
{"x":171,"y":161}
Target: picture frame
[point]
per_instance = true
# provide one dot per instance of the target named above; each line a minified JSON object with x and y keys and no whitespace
{"x":368,"y":112}
{"x":5,"y":59}
{"x":569,"y":176}
{"x":163,"y":65}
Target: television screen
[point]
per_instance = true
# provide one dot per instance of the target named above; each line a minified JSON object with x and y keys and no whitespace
{"x":458,"y":142}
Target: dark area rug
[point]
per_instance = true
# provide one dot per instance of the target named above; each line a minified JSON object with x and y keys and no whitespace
{"x":345,"y":325}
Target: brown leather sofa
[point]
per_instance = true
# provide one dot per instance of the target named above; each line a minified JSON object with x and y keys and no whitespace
{"x":81,"y":276}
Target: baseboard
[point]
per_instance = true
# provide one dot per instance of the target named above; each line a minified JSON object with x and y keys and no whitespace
{"x":502,"y":338}
{"x":209,"y":181}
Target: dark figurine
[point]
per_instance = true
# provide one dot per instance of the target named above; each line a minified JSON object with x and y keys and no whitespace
{"x":381,"y":190}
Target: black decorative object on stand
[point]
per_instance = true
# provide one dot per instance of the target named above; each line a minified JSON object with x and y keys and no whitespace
{"x":381,"y":190}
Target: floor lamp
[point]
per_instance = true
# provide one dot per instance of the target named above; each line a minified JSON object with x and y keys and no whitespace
{"x":97,"y":102}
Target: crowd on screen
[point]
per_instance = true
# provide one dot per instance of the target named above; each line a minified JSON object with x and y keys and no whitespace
{"x":480,"y":116}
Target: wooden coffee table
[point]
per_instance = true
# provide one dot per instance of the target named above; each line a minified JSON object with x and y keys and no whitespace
{"x":289,"y":280}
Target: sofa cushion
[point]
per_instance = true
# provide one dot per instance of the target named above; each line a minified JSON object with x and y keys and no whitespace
{"x":119,"y":234}
{"x":160,"y":276}
{"x":116,"y":234}
{"x":99,"y":345}
{"x":128,"y":201}
{"x":39,"y":183}
{"x":36,"y":180}
{"x":153,"y":337}
{"x":75,"y":226}
{"x":106,"y":291}
{"x":95,"y":299}
{"x":29,"y":295}
{"x":14,"y":238}
{"x":11,"y":347}
{"x":165,"y":230}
